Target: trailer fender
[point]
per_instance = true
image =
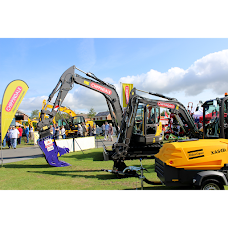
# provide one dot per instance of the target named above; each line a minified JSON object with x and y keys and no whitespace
{"x":197,"y":180}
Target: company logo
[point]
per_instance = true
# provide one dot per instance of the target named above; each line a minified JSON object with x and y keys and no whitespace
{"x":218,"y":151}
{"x":56,"y":108}
{"x":13,"y":99}
{"x":167,"y":105}
{"x":127,"y":94}
{"x":101,"y":88}
{"x":49,"y":145}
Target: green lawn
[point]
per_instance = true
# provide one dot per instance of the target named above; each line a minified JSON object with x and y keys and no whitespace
{"x":83,"y":174}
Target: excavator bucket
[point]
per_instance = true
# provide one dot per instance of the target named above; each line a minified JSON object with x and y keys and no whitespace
{"x":51,"y":151}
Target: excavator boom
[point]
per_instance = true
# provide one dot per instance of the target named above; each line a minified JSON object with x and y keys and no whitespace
{"x":65,"y":84}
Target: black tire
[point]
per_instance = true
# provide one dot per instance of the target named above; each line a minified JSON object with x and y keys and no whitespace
{"x":211,"y":184}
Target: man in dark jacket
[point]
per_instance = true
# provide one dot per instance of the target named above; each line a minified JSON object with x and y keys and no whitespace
{"x":27,"y":133}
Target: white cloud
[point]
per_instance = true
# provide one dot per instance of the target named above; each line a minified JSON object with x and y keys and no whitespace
{"x":29,"y":104}
{"x":206,"y":77}
{"x":82,"y":99}
{"x":209,"y":72}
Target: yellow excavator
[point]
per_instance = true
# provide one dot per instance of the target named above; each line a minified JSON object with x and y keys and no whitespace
{"x":30,"y":122}
{"x":71,"y":124}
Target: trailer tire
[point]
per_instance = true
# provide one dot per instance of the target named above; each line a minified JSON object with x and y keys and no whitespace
{"x":211,"y":184}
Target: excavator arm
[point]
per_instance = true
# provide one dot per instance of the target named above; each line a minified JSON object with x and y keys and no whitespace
{"x":108,"y":91}
{"x":66,"y":82}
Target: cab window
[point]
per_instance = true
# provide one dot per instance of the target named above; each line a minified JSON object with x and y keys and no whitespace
{"x":138,"y":127}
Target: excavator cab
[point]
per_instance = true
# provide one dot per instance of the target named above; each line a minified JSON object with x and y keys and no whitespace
{"x":71,"y":125}
{"x":215,"y":120}
{"x":147,"y":127}
{"x":74,"y":121}
{"x":153,"y":129}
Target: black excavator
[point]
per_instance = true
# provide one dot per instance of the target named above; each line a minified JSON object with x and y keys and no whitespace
{"x":145,"y":139}
{"x":139,"y":129}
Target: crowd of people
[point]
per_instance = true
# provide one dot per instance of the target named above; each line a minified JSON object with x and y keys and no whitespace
{"x":14,"y":135}
{"x":107,"y":131}
{"x":58,"y":131}
{"x":83,"y":131}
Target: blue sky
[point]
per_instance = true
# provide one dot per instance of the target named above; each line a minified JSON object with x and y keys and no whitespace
{"x":41,"y":61}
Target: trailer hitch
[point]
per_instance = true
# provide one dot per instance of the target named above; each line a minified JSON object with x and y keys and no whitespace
{"x":131,"y":171}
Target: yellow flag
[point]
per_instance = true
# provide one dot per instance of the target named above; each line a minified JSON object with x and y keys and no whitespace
{"x":126,"y":92}
{"x":14,"y":94}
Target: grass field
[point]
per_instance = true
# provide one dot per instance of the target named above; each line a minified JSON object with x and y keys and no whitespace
{"x":83,"y":174}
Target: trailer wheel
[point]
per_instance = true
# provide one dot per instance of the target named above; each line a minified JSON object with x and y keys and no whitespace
{"x":211,"y":185}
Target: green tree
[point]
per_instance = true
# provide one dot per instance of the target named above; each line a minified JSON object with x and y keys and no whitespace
{"x":91,"y":113}
{"x":34,"y":114}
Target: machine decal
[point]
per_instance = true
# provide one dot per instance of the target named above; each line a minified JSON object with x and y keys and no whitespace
{"x":13,"y":99}
{"x":127,"y":94}
{"x":218,"y":151}
{"x":101,"y":88}
{"x":56,"y":108}
{"x":167,"y":105}
{"x":196,"y":154}
{"x":49,"y":145}
{"x":86,"y":82}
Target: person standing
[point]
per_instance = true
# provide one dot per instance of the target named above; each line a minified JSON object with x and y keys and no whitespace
{"x":103,"y":129}
{"x":31,"y":132}
{"x":79,"y":133}
{"x":14,"y":135}
{"x":110,"y":132}
{"x":84,"y":129}
{"x":63,"y":132}
{"x":20,"y":135}
{"x":90,"y":130}
{"x":27,"y":133}
{"x":106,"y":130}
{"x":94,"y":130}
{"x":57,"y":131}
{"x":10,"y":137}
{"x":53,"y":129}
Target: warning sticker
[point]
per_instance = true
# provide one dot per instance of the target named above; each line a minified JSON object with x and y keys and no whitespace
{"x":49,"y":145}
